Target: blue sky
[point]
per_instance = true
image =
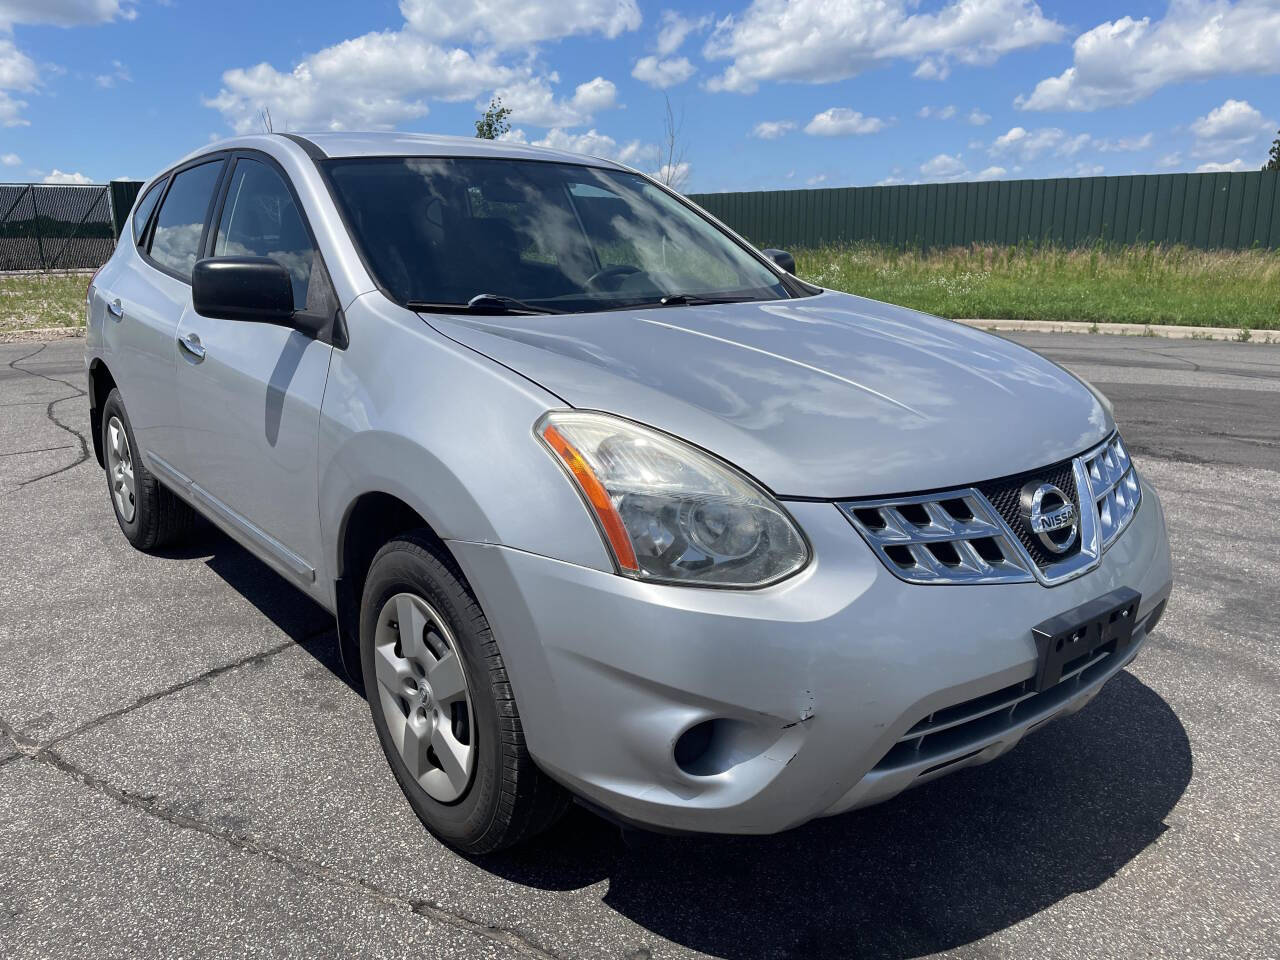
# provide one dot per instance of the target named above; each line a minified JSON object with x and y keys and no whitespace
{"x":773,"y":93}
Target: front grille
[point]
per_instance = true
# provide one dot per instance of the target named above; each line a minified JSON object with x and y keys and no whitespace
{"x":1006,"y":496}
{"x":978,"y":534}
{"x":951,"y":537}
{"x":1115,"y":488}
{"x":981,"y":720}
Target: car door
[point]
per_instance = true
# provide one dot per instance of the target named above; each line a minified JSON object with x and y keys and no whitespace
{"x":250,"y":393}
{"x":145,"y":303}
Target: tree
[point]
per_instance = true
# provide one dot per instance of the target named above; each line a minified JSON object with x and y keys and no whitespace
{"x":1273,"y":162}
{"x":671,"y":167}
{"x":493,"y":122}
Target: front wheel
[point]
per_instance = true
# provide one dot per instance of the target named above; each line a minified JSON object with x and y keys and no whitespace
{"x":442,"y":705}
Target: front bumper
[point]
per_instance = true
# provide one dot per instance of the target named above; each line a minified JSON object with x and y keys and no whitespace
{"x":815,"y":684}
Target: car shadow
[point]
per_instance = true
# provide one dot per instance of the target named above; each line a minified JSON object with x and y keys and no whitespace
{"x":938,"y":867}
{"x":299,"y":617}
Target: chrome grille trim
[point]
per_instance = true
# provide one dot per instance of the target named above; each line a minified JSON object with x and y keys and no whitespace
{"x":909,"y":544}
{"x":897,"y":537}
{"x":1115,"y":487}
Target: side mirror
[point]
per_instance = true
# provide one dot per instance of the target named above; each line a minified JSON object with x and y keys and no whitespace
{"x":783,"y":259}
{"x":243,"y":288}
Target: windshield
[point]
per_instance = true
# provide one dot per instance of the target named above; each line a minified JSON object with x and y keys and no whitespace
{"x":554,"y":236}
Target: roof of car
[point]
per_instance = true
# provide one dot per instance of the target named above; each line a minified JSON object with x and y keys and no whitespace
{"x":397,"y":144}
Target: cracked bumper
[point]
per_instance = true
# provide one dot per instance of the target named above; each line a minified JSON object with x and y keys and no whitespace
{"x":815,"y":679}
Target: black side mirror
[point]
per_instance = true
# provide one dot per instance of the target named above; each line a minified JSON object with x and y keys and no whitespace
{"x":243,"y":288}
{"x":783,"y":259}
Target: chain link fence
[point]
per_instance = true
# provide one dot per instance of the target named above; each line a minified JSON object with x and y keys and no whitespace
{"x":45,"y":226}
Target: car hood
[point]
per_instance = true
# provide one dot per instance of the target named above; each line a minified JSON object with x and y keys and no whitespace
{"x":830,"y":396}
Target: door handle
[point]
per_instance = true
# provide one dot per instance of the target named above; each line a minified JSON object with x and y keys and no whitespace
{"x":192,"y":345}
{"x":116,"y":309}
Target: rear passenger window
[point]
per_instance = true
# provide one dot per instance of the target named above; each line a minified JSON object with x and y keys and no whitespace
{"x":176,"y":241}
{"x":260,"y":219}
{"x":143,"y":213}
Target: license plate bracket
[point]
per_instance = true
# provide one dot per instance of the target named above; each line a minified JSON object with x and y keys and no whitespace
{"x":1079,"y":632}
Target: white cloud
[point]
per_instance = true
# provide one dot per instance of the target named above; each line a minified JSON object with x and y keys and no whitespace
{"x":595,"y":144}
{"x":1028,"y":145}
{"x":991,"y":173}
{"x":596,"y":94}
{"x":533,"y":101}
{"x":518,"y":23}
{"x":1124,"y":144}
{"x":1170,"y":160}
{"x":842,"y":122}
{"x":57,"y":176}
{"x":931,"y":68}
{"x":1125,"y":60}
{"x":662,"y":73}
{"x":10,"y":159}
{"x":385,"y":78}
{"x":821,"y":41}
{"x":942,"y":113}
{"x":977,"y":118}
{"x":1233,"y":124}
{"x":889,"y":182}
{"x":673,"y":175}
{"x":674,"y":30}
{"x":1232,"y":166}
{"x":591,"y":143}
{"x":772,"y":129}
{"x":944,"y":167}
{"x":17,"y":70}
{"x":11,"y":111}
{"x":119,"y":74}
{"x":63,"y":13}
{"x":816,"y":179}
{"x":1088,"y":170}
{"x":373,"y":81}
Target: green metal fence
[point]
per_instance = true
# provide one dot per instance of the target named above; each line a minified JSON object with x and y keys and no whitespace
{"x":1207,"y":210}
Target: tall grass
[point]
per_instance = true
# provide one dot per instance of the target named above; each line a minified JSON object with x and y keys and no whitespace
{"x":1146,"y":284}
{"x":30,"y":300}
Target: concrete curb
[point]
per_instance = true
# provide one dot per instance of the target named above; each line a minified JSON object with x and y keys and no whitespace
{"x":1170,"y":331}
{"x":41,"y":333}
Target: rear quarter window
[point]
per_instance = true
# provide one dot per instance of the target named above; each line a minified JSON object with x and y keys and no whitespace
{"x":142,"y":213}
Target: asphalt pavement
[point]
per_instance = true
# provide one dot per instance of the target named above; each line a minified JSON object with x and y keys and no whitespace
{"x":185,"y":772}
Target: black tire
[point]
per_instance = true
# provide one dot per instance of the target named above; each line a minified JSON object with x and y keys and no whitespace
{"x":160,"y":517}
{"x":508,"y":799}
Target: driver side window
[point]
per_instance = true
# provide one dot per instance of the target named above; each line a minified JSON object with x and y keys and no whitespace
{"x":260,"y":219}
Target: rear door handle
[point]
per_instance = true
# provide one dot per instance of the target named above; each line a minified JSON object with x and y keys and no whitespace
{"x":116,"y":309}
{"x":192,"y":345}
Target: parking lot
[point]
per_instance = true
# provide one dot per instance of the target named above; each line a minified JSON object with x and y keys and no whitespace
{"x":184,"y":771}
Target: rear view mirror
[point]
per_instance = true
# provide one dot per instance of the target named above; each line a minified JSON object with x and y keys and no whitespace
{"x":243,"y":288}
{"x":783,"y":259}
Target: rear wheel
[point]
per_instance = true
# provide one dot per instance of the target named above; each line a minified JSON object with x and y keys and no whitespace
{"x":442,"y":705}
{"x":149,"y":515}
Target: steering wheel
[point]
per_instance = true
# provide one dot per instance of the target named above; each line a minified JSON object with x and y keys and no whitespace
{"x":616,"y":272}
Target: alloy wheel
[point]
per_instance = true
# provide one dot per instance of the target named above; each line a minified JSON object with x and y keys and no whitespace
{"x":124,"y":489}
{"x":423,"y":694}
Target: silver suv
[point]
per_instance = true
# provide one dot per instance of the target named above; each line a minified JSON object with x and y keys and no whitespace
{"x":608,"y":504}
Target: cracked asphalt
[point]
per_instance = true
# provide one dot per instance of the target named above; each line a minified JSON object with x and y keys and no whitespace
{"x":185,"y":773}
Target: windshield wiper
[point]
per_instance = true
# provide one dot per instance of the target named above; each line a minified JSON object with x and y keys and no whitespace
{"x":690,"y":300}
{"x":481,"y":303}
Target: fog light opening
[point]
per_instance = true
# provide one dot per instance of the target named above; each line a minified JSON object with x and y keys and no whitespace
{"x":715,"y":746}
{"x":692,"y":747}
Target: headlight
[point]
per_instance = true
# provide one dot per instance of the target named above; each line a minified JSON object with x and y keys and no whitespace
{"x":670,"y":512}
